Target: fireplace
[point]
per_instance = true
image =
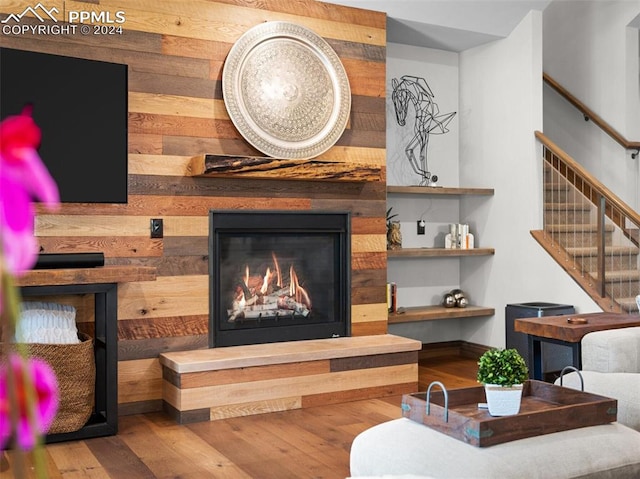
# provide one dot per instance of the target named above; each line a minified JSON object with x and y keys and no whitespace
{"x":278,"y":276}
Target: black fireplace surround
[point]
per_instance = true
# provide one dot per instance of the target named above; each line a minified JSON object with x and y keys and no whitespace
{"x":278,"y":276}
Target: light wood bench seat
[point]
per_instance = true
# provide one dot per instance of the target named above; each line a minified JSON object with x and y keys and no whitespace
{"x":217,"y":383}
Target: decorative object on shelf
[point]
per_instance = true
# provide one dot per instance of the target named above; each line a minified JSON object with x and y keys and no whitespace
{"x":455,"y":299}
{"x":451,"y":238}
{"x":286,"y":90}
{"x":392,"y":297}
{"x":503,"y":373}
{"x":448,"y":301}
{"x":459,"y":237}
{"x":457,"y":293}
{"x":428,"y":121}
{"x":394,"y":235}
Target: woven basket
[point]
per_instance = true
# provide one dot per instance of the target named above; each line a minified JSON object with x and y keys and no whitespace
{"x":75,"y":368}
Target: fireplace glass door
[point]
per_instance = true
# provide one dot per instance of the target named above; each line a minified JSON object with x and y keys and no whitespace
{"x":278,"y":276}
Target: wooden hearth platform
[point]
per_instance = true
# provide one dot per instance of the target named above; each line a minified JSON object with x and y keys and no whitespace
{"x":218,"y":383}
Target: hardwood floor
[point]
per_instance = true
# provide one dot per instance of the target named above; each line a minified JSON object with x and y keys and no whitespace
{"x":453,"y":371}
{"x":303,"y":443}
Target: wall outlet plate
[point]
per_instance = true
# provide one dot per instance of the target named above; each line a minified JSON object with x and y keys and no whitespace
{"x":420,"y":227}
{"x":157,"y":228}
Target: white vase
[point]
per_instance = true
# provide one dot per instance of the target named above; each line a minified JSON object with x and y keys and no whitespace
{"x":503,"y":400}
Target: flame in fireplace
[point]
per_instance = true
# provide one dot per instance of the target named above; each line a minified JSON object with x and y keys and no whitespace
{"x":265,"y":282}
{"x":245,"y":279}
{"x":296,"y":291}
{"x":277,"y":267}
{"x":265,"y":296}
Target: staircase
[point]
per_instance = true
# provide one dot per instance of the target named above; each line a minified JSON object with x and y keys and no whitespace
{"x":590,"y":232}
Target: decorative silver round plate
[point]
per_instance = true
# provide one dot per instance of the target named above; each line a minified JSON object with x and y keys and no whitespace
{"x":286,"y":91}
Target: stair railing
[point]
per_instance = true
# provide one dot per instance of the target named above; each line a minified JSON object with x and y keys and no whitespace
{"x":589,"y":114}
{"x":590,"y":231}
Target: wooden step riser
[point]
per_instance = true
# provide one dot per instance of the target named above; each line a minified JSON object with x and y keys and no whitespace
{"x":578,"y":239}
{"x":560,"y":184}
{"x":550,"y":172}
{"x":565,"y":217}
{"x":623,"y":289}
{"x":556,"y":196}
{"x":629,"y":307}
{"x":562,"y":195}
{"x":615,"y":263}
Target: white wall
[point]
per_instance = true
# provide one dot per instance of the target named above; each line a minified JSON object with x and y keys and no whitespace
{"x":499,"y":101}
{"x":591,"y":48}
{"x":501,"y":107}
{"x":499,"y":150}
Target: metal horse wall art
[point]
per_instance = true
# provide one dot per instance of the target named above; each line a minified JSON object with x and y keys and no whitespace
{"x":428,"y":121}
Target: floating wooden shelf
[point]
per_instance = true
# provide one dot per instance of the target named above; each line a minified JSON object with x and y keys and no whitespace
{"x":435,"y":190}
{"x":97,"y":275}
{"x":437,"y":252}
{"x":437,"y":312}
{"x":432,"y":313}
{"x":281,"y":169}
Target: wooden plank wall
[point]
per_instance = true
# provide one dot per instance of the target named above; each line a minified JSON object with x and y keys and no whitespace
{"x":175,"y":51}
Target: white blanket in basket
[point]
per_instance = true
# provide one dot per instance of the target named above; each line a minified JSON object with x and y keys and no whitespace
{"x":47,"y":323}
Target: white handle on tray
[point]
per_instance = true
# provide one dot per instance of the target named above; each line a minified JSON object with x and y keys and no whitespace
{"x":446,"y":399}
{"x":571,"y":368}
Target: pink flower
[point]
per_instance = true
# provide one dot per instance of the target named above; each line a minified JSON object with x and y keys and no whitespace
{"x":23,"y":178}
{"x":40,"y":375}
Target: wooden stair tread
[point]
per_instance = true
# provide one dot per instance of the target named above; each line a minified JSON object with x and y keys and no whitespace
{"x":566,"y":206}
{"x":628,"y":304}
{"x":593,"y":251}
{"x":577,"y":227}
{"x":618,"y":275}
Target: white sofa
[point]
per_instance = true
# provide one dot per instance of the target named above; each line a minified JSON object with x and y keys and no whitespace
{"x":611,"y":368}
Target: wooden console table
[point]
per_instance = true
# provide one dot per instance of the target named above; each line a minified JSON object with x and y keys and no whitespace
{"x":559,"y":330}
{"x":103,"y":283}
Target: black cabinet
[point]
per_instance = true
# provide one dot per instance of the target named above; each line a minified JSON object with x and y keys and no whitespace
{"x":554,"y":356}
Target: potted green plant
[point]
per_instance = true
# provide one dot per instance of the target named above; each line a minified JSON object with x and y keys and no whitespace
{"x":503,"y":373}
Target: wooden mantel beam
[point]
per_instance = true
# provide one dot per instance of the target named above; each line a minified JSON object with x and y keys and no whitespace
{"x":281,"y":169}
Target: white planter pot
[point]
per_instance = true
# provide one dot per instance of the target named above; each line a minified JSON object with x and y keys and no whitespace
{"x":503,"y":401}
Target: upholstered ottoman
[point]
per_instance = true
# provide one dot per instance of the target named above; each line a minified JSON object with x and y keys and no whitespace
{"x":403,"y":447}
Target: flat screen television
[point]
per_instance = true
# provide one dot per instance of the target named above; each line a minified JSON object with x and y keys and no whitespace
{"x":81,"y":107}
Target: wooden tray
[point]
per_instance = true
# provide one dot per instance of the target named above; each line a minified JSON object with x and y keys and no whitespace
{"x":545,"y":408}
